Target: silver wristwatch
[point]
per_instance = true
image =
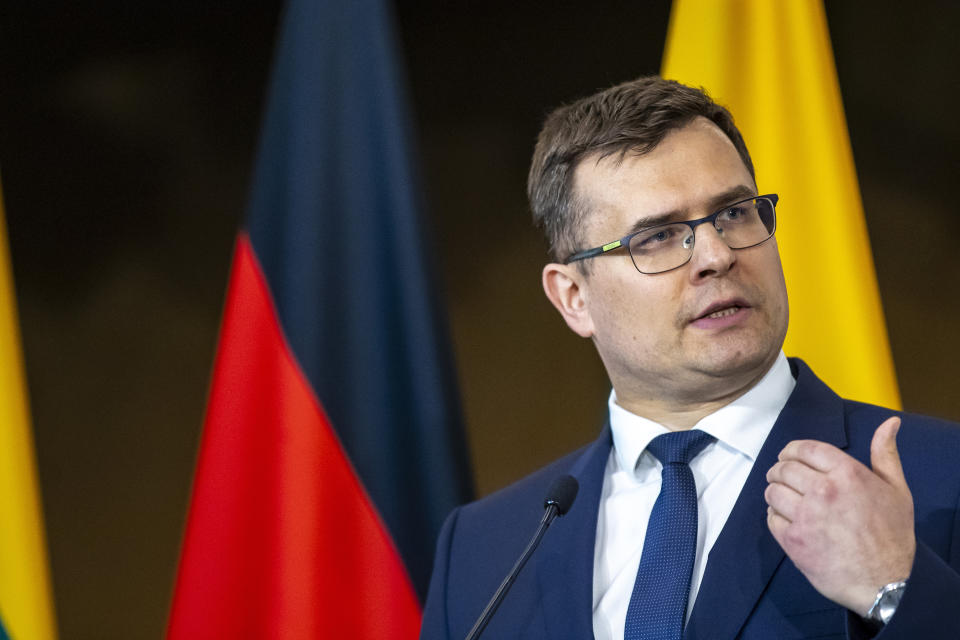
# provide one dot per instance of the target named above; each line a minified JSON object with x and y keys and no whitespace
{"x":886,"y":603}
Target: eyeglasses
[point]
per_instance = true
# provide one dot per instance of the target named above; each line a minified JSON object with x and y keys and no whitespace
{"x":665,"y":247}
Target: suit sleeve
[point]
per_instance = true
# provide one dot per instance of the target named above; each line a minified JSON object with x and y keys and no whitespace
{"x":435,"y":625}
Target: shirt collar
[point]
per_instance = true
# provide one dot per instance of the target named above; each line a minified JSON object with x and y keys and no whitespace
{"x":742,"y":425}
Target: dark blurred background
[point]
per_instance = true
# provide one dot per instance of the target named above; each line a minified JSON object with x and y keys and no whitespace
{"x":127,"y":133}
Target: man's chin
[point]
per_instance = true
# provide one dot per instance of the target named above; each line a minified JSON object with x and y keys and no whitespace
{"x":726,"y":364}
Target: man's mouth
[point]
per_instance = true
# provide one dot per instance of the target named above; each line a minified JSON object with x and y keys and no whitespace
{"x":722,"y":309}
{"x":729,"y":311}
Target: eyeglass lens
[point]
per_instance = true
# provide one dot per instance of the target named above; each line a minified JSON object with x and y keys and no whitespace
{"x":668,"y":246}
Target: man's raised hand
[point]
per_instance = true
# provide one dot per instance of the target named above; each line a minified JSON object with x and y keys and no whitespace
{"x":847,"y":528}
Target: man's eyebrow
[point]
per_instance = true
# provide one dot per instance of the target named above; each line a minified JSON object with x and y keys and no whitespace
{"x":660,"y":218}
{"x":740,"y":192}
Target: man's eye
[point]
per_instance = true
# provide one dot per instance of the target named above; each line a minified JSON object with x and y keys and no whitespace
{"x":655,"y":239}
{"x":739,"y":214}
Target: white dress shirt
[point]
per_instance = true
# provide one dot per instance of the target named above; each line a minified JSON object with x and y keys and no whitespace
{"x":631,"y":483}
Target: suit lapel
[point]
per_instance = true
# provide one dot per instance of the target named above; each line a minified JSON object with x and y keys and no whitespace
{"x":746,"y":555}
{"x":565,"y":561}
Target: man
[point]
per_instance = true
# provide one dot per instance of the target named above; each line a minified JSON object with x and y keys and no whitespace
{"x":732,"y":494}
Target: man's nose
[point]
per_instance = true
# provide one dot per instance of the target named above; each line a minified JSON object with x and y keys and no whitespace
{"x":712,"y":255}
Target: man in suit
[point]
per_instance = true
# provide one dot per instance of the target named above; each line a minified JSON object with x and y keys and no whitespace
{"x":731,"y":494}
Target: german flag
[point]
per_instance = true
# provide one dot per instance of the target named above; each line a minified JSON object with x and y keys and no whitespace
{"x":333,"y":444}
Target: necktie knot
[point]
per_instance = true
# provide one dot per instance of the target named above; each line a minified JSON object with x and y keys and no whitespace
{"x":679,"y":446}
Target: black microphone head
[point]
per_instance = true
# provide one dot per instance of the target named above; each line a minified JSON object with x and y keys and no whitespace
{"x":562,"y":493}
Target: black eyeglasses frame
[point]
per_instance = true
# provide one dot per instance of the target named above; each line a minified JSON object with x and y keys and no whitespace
{"x":624,"y":242}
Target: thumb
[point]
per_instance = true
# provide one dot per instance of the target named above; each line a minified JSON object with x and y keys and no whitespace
{"x":884,"y":456}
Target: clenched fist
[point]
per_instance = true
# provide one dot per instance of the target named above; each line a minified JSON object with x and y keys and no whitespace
{"x":847,"y":528}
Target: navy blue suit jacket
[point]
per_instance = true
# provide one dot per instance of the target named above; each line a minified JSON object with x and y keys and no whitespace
{"x":750,"y":590}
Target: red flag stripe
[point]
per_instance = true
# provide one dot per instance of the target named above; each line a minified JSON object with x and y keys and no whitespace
{"x":282,"y":540}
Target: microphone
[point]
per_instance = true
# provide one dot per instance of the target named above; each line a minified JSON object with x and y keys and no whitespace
{"x":560,"y":497}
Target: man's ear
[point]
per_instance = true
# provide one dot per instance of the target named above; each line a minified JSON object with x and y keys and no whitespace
{"x":566,"y":288}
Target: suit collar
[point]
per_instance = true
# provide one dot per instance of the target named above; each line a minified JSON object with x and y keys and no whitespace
{"x":565,"y":562}
{"x":746,"y":555}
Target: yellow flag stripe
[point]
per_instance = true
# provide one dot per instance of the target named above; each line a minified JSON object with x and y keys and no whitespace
{"x":772,"y":65}
{"x":26,"y":603}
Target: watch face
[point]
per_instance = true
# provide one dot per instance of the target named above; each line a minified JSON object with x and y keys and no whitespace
{"x":889,"y":599}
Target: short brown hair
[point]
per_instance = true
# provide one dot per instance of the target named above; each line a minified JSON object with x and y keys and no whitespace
{"x":631,"y":117}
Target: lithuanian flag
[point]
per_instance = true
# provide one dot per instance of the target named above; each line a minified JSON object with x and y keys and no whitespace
{"x":771,"y":64}
{"x":26,"y":603}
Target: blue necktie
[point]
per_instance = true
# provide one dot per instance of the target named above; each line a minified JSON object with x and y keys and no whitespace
{"x":658,"y":605}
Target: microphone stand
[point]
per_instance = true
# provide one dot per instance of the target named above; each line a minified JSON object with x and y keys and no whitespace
{"x":548,"y":515}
